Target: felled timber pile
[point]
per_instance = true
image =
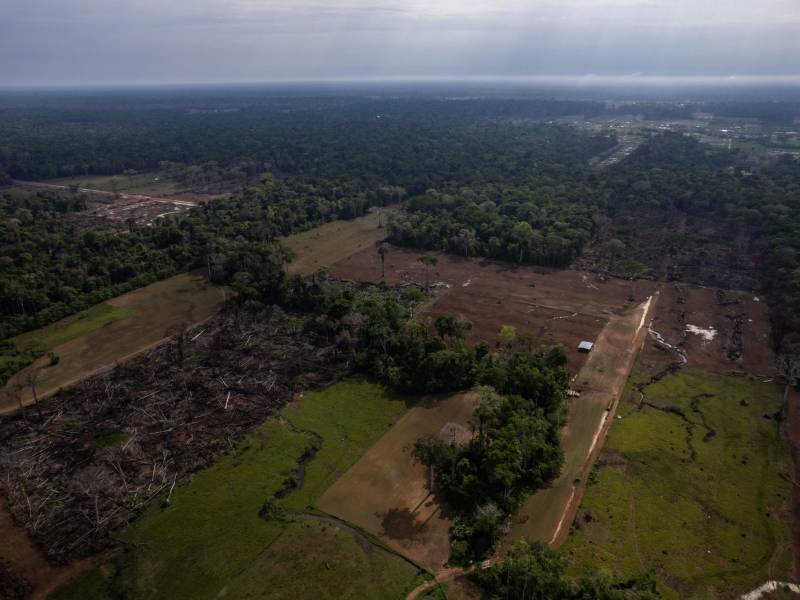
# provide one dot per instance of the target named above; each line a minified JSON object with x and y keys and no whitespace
{"x":96,"y":454}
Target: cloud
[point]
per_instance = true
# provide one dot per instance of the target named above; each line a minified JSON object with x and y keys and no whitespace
{"x":111,"y":41}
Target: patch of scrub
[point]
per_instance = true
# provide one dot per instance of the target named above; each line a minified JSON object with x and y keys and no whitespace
{"x":707,"y":334}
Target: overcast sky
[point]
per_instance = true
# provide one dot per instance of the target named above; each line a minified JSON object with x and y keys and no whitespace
{"x":67,"y":42}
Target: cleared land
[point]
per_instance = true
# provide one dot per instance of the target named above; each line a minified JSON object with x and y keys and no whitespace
{"x":555,"y":306}
{"x":387,"y":494}
{"x":183,"y":299}
{"x":721,"y":331}
{"x":692,"y":484}
{"x":214,"y":539}
{"x":323,"y":246}
{"x":546,"y":515}
{"x":112,"y":211}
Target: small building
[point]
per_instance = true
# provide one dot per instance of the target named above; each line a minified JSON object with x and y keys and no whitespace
{"x":585,"y":346}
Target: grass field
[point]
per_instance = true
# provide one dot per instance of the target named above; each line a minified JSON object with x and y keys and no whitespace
{"x":111,"y":332}
{"x":330,"y":243}
{"x":72,"y":327}
{"x":707,"y":511}
{"x":211,"y":541}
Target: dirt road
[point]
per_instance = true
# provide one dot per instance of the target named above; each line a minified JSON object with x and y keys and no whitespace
{"x":547,"y":514}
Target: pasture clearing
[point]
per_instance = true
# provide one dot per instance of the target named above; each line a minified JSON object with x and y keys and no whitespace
{"x":324,"y":245}
{"x":721,"y":331}
{"x":547,"y":513}
{"x":100,"y":340}
{"x":554,"y":306}
{"x":387,"y":494}
{"x":693,"y":484}
{"x":225,"y":533}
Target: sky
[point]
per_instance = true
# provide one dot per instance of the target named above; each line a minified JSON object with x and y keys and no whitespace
{"x":111,"y":42}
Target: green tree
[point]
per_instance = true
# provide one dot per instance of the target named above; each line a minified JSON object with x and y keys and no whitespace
{"x":428,"y":261}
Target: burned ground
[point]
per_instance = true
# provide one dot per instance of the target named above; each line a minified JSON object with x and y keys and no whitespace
{"x":94,"y":455}
{"x":673,"y":246}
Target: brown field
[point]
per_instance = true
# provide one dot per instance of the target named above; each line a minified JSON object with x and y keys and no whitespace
{"x":681,"y":305}
{"x":387,"y":494}
{"x":183,"y":299}
{"x":555,"y":306}
{"x":548,"y":514}
{"x":323,"y":246}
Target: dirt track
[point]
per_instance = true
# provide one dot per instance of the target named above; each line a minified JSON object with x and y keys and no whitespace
{"x":548,"y":513}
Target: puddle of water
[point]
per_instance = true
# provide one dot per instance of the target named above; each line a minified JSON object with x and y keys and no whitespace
{"x":707,"y":334}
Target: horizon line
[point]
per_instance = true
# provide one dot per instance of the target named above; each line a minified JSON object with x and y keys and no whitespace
{"x":588,"y":80}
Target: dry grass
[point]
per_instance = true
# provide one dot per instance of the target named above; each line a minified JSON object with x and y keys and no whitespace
{"x":183,"y":299}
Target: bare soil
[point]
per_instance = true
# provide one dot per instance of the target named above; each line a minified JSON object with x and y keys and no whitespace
{"x":740,"y":319}
{"x":27,"y":564}
{"x":387,"y":494}
{"x":554,"y":306}
{"x":548,"y":513}
{"x":109,"y":211}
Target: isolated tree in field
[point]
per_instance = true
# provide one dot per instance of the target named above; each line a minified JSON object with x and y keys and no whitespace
{"x":179,"y":333}
{"x":383,"y":250}
{"x":431,"y":452}
{"x":31,"y":378}
{"x":428,"y":261}
{"x":633,"y":269}
{"x":130,"y":174}
{"x":508,"y":334}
